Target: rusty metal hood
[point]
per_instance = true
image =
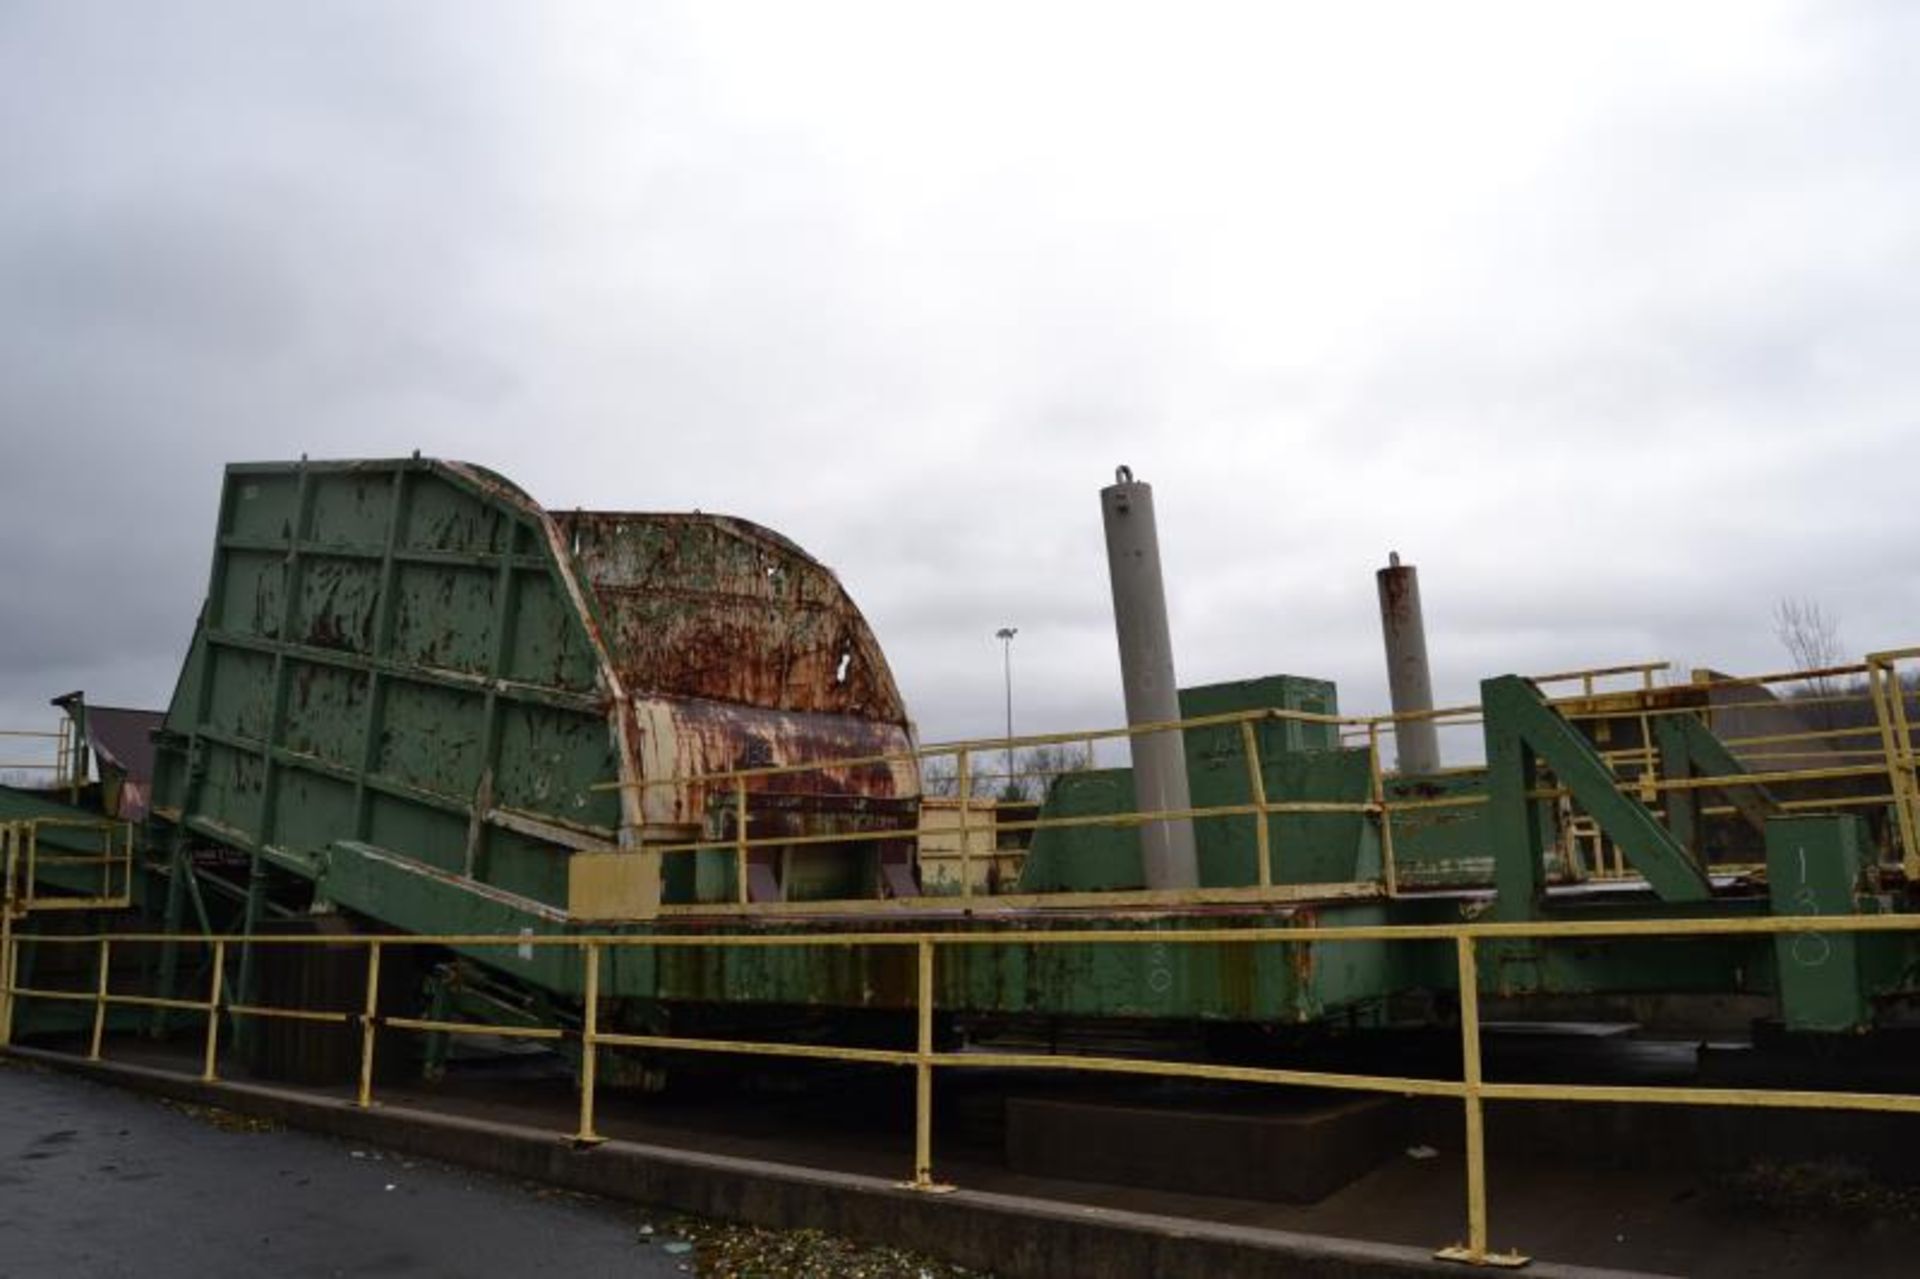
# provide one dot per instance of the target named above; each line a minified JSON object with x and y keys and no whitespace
{"x":724,"y":646}
{"x":716,"y":608}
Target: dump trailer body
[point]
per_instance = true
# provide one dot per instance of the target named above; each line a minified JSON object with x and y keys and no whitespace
{"x":414,"y":659}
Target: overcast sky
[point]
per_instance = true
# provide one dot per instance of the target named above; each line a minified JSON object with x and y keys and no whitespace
{"x":1605,"y":315}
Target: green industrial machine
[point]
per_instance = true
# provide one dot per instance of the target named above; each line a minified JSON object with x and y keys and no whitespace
{"x":418,"y":702}
{"x":410,"y":669}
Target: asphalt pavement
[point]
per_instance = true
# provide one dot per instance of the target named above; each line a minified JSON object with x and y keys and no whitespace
{"x":95,"y":1181}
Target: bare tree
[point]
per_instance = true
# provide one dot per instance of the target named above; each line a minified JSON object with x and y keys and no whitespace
{"x":1033,"y":772}
{"x":941,"y":776}
{"x":1808,"y":632}
{"x":1038,"y":766}
{"x":1811,"y":636}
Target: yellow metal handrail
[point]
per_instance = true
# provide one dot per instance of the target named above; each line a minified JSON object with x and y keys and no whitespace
{"x":741,"y":842}
{"x":62,"y":740}
{"x":1587,"y":676}
{"x":20,"y":862}
{"x":1381,"y":806}
{"x":20,"y":849}
{"x":1471,"y":1089}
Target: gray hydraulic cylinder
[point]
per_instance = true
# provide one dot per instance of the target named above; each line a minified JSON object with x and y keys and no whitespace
{"x":1167,"y":856}
{"x":1409,"y":681}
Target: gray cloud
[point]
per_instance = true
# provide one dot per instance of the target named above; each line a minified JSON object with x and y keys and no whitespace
{"x":1603,"y":314}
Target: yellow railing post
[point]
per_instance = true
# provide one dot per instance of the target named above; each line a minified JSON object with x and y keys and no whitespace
{"x":1474,"y":1251}
{"x":1904,"y":761}
{"x":369,"y":1024}
{"x":1896,"y":741}
{"x":1476,"y":1126}
{"x":9,"y":959}
{"x":208,"y":1073}
{"x":1388,"y":870}
{"x":100,"y":1000}
{"x":589,"y":1045}
{"x":33,"y":856}
{"x":1649,"y":782}
{"x":740,"y":840}
{"x":1257,"y":788}
{"x":923,"y":1073}
{"x":9,"y":836}
{"x":966,"y":836}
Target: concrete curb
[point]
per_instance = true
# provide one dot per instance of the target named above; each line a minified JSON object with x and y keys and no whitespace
{"x":1016,"y":1238}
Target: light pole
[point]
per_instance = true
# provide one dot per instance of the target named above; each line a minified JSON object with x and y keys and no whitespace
{"x":1005,"y":635}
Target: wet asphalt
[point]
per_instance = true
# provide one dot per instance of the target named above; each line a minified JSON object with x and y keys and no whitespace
{"x":99,"y":1182}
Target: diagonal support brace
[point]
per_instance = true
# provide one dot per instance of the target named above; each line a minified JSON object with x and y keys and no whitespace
{"x":1524,"y":732}
{"x":1688,"y":749}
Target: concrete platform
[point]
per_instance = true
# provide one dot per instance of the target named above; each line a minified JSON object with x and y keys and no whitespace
{"x":1008,"y":1235}
{"x":1292,"y":1147}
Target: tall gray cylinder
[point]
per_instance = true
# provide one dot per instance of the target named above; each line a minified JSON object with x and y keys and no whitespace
{"x":1409,"y":681}
{"x":1167,"y":856}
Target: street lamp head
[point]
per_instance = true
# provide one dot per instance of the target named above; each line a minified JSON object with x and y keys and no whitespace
{"x":1006,"y":632}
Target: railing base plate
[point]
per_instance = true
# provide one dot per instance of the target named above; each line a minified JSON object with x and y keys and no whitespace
{"x":1498,"y":1260}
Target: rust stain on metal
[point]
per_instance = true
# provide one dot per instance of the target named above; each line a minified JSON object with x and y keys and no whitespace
{"x":1633,"y":701}
{"x":1394,"y":581}
{"x":719,"y":737}
{"x":740,"y":651}
{"x":710,"y":607}
{"x":1300,"y":958}
{"x":720,"y":645}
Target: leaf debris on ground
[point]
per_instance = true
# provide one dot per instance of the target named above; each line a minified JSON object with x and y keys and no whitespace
{"x":724,"y":1250}
{"x":1820,"y":1188}
{"x":221,"y":1118}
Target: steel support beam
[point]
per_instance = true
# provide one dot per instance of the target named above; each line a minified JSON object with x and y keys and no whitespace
{"x":1523,"y":732}
{"x":1688,"y":750}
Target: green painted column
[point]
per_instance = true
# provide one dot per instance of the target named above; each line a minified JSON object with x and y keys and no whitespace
{"x":1815,"y":866}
